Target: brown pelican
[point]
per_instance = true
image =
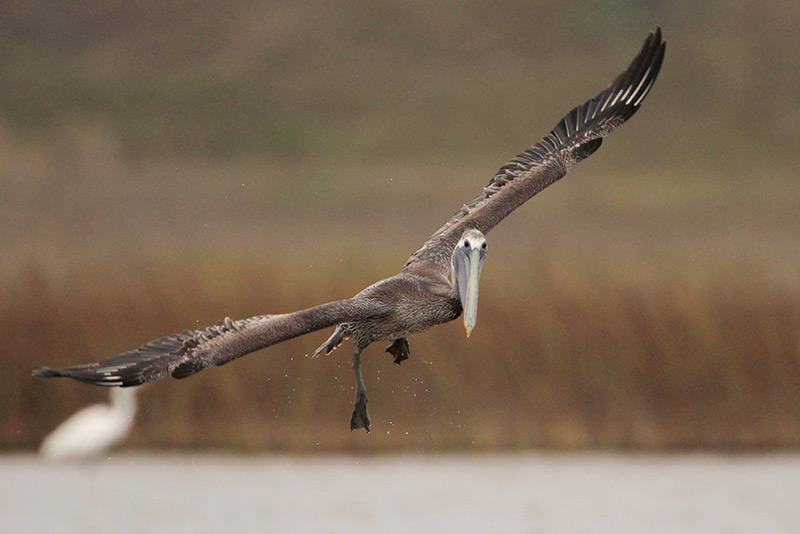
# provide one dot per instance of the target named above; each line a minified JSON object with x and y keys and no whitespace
{"x":438,"y":283}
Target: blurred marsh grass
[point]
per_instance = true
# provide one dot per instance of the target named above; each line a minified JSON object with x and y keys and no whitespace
{"x":566,"y":358}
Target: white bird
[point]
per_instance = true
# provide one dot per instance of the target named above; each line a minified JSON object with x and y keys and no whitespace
{"x":93,"y":430}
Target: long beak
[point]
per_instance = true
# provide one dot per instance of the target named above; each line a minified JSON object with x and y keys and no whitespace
{"x":470,"y":294}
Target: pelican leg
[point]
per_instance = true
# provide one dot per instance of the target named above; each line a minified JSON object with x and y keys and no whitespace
{"x":360,"y":417}
{"x":332,"y":343}
{"x":399,"y":349}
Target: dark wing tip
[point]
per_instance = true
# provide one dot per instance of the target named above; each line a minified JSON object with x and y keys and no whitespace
{"x":45,"y":372}
{"x":600,"y":115}
{"x":172,"y":354}
{"x":626,"y":93}
{"x":126,"y":369}
{"x":580,"y":129}
{"x":89,"y":374}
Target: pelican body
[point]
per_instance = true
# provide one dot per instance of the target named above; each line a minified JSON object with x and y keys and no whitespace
{"x":438,"y":283}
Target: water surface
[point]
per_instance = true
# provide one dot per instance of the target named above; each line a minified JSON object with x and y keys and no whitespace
{"x":531,"y":492}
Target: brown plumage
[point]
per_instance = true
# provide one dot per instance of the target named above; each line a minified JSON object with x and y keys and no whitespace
{"x":437,"y":283}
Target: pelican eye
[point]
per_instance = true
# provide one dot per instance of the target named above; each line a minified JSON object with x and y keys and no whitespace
{"x":483,"y":246}
{"x":466,"y":243}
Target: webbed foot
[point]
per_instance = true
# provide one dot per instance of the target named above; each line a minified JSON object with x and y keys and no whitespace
{"x":399,"y":349}
{"x":360,"y":417}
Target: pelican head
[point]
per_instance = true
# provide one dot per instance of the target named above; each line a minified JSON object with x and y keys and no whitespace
{"x":468,"y":257}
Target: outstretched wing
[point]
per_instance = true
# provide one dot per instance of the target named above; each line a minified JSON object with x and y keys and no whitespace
{"x":573,"y":139}
{"x":189,"y":352}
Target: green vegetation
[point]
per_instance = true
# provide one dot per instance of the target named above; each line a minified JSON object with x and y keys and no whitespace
{"x":165,"y":165}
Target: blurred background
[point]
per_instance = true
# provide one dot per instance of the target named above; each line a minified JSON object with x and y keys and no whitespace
{"x":164,"y":165}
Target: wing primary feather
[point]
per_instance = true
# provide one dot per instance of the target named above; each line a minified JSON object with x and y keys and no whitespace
{"x":191,"y":351}
{"x":576,"y":136}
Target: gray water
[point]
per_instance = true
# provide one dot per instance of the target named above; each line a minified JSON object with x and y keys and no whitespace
{"x":532,"y":492}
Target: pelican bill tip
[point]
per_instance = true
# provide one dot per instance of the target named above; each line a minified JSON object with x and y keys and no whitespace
{"x":469,"y":330}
